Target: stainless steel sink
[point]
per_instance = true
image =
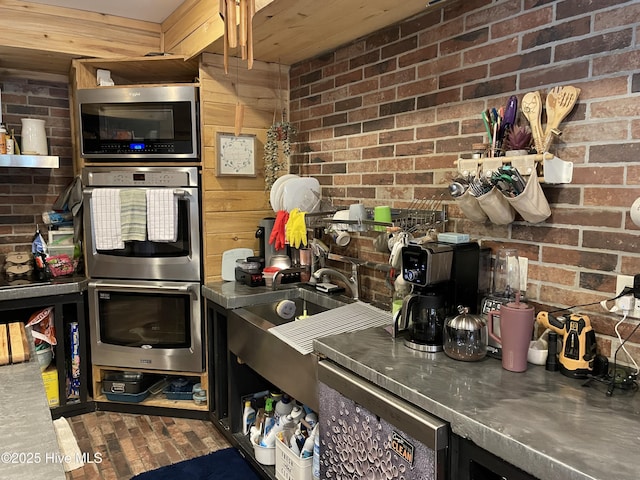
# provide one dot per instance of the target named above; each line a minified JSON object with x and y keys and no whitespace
{"x":249,"y":339}
{"x":307,"y":300}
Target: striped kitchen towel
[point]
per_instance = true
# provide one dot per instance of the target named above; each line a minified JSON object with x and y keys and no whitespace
{"x":162,"y":215}
{"x":133,"y":214}
{"x":105,"y":212}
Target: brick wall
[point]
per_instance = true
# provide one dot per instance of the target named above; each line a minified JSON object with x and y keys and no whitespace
{"x":382,"y":121}
{"x":27,"y":192}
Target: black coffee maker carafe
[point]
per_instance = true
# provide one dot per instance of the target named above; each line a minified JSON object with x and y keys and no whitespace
{"x":423,"y":315}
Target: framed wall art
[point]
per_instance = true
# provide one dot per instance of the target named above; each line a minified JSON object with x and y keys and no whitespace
{"x":236,"y":154}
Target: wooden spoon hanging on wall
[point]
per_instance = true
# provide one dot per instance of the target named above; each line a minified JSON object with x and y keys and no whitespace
{"x":565,"y":99}
{"x":532,"y":109}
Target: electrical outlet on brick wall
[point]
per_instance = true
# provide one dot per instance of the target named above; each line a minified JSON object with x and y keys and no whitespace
{"x":628,"y":300}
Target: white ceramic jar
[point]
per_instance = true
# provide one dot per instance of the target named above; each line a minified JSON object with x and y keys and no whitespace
{"x":34,"y":137}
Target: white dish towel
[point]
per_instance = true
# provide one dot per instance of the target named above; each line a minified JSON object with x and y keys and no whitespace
{"x":105,"y":212}
{"x":162,"y":215}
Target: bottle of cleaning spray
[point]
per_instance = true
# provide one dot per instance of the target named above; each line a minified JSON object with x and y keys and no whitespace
{"x":315,"y":468}
{"x":248,"y":417}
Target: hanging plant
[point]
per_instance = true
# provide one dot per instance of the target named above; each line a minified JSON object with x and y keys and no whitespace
{"x":280,"y":134}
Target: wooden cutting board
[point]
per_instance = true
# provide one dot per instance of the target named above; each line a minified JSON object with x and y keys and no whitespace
{"x":14,"y":346}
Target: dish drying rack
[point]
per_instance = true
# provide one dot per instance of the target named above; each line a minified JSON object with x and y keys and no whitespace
{"x":420,"y":217}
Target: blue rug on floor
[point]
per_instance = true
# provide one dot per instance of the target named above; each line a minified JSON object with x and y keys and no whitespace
{"x":226,"y":464}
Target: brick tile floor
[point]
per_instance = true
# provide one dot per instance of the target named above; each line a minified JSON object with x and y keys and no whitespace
{"x":132,"y":444}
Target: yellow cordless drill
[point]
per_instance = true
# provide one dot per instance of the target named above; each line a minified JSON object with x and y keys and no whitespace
{"x":578,"y":342}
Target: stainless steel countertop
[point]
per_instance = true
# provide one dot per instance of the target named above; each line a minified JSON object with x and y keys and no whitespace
{"x":59,"y":286}
{"x":28,"y":444}
{"x":544,"y":423}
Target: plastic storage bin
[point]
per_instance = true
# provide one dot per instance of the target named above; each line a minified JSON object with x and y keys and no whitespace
{"x":289,"y":466}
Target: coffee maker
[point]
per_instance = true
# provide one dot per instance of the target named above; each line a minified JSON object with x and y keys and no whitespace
{"x":442,"y":276}
{"x":263,"y":233}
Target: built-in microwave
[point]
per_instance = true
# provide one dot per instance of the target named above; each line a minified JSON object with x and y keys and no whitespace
{"x":139,"y":123}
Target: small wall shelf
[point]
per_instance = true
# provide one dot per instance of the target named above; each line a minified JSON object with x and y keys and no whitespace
{"x":551,"y":169}
{"x":29,"y":161}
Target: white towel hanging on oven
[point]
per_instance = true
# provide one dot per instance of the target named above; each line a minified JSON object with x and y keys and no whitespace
{"x":105,"y":212}
{"x":162,"y":215}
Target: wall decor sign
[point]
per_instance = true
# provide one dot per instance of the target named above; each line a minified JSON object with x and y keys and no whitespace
{"x":236,"y":154}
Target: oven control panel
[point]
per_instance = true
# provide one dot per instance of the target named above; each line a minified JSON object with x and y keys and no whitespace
{"x":139,"y":178}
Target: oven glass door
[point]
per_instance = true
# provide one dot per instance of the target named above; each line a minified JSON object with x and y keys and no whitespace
{"x":143,"y":324}
{"x":153,"y":320}
{"x":177,"y":260}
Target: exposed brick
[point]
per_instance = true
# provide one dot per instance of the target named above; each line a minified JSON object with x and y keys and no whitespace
{"x":311,"y":77}
{"x":483,"y":53}
{"x":395,"y":136}
{"x":438,"y":98}
{"x":472,"y":55}
{"x":386,"y":66}
{"x":383,"y":37}
{"x":465,"y":40}
{"x":401,"y":77}
{"x":363,"y":114}
{"x":611,"y":241}
{"x":348,"y":78}
{"x":417,"y":88}
{"x":381,"y":124}
{"x":365,"y":59}
{"x":549,"y":75}
{"x":420,"y":55}
{"x":607,"y":42}
{"x":378,"y":179}
{"x":400,"y":47}
{"x":580,"y":7}
{"x":348,"y":104}
{"x":556,"y":33}
{"x":524,"y":61}
{"x":413,"y":148}
{"x":437,"y":130}
{"x":586,"y":217}
{"x":579,"y":258}
{"x":490,"y":88}
{"x":397,"y":107}
{"x":378,"y":152}
{"x":334,"y":119}
{"x":348,"y":129}
{"x":464,"y":75}
{"x":556,"y":236}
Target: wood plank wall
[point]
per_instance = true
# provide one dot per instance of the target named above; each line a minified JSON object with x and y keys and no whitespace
{"x":233,"y":206}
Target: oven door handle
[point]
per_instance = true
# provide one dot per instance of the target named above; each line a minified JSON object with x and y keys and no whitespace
{"x":178,"y":192}
{"x":190,"y":289}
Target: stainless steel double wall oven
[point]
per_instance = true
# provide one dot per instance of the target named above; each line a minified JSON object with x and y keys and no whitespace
{"x":145,"y":302}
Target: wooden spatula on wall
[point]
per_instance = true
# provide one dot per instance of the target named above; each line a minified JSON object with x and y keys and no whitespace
{"x":563,"y":100}
{"x":532,"y":109}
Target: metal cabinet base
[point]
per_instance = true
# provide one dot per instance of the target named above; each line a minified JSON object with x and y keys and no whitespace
{"x":470,"y":462}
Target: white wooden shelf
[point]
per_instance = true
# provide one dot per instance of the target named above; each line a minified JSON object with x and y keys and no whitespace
{"x":554,"y":170}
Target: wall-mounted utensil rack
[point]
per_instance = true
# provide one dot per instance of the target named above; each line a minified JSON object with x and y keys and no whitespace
{"x":549,"y":168}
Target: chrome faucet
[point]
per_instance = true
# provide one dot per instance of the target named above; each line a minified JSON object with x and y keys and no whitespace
{"x":352,"y":283}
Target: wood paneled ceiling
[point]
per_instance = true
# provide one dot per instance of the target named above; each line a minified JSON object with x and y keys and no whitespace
{"x":285,"y":31}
